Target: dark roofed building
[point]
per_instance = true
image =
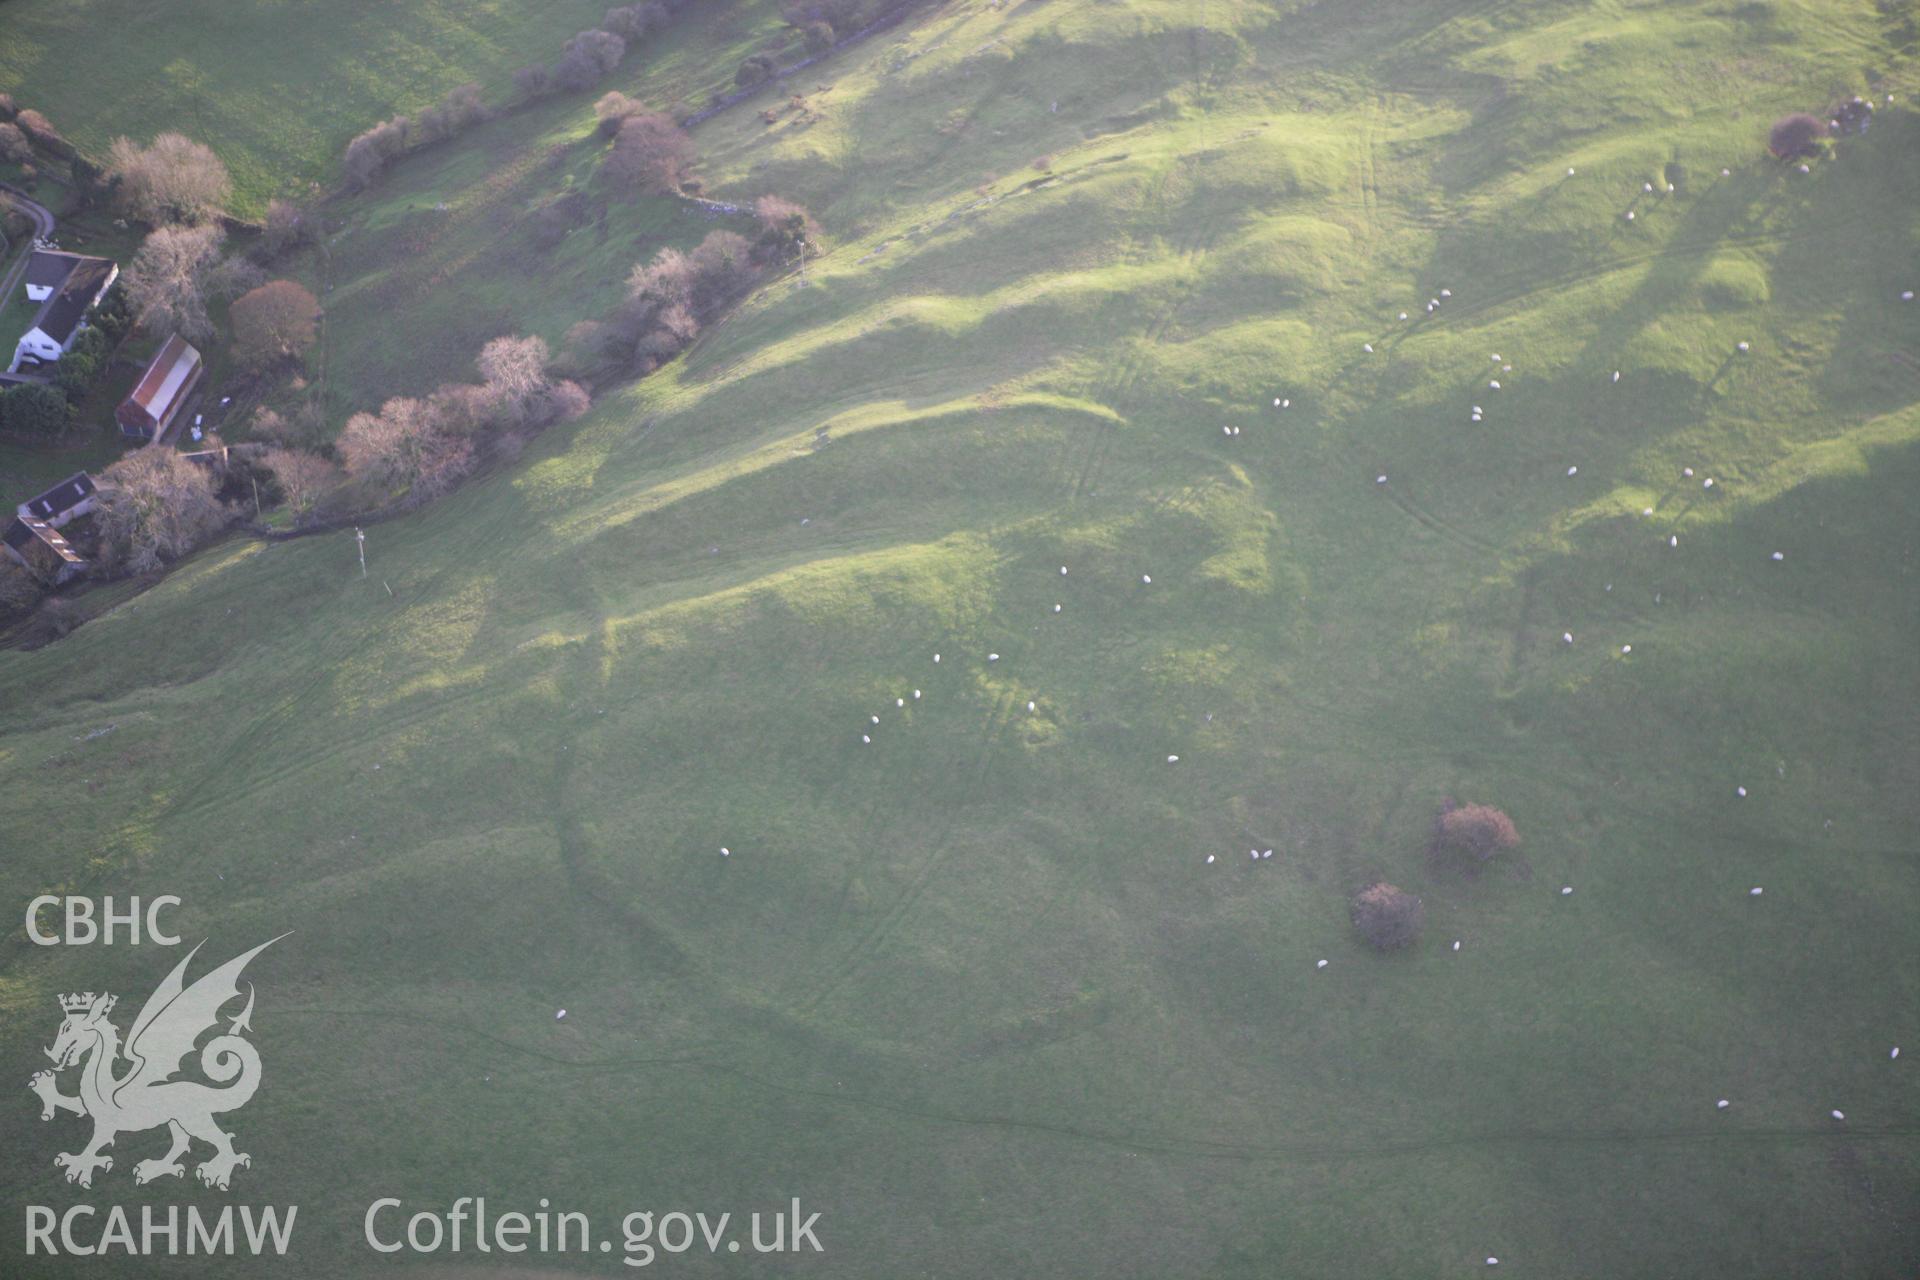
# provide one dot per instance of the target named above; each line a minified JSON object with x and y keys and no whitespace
{"x":68,"y":500}
{"x":62,"y":314}
{"x":46,"y":555}
{"x":47,"y":269}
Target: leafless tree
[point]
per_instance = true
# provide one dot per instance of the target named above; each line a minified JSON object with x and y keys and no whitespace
{"x":304,"y":428}
{"x":403,"y":450}
{"x":651,"y":153}
{"x":167,"y":279}
{"x":232,"y":276}
{"x":41,"y":131}
{"x":513,"y":371}
{"x":175,"y":179}
{"x":287,"y":226}
{"x":302,"y":477}
{"x":155,"y":506}
{"x":588,"y":57}
{"x":374,"y":150}
{"x":722,"y":266}
{"x":634,"y":21}
{"x":274,"y":322}
{"x":14,"y":147}
{"x":564,"y":401}
{"x":460,"y":108}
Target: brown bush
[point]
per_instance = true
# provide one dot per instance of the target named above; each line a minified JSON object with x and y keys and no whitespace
{"x":755,"y":68}
{"x":651,"y":153}
{"x":613,"y":108}
{"x":1796,"y":135}
{"x":1387,"y":916}
{"x":1478,"y":830}
{"x":275,"y":322}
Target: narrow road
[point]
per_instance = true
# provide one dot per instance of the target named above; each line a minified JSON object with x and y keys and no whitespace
{"x":43,"y":220}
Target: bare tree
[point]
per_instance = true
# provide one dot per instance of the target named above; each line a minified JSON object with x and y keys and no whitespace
{"x":174,"y":180}
{"x":288,"y":225}
{"x":634,"y":21}
{"x":232,"y":276}
{"x":722,"y":266}
{"x":650,"y":153}
{"x":588,"y":57}
{"x":402,"y":449}
{"x":513,"y":369}
{"x":302,"y":477}
{"x":155,"y":506}
{"x":460,"y":108}
{"x":41,"y":131}
{"x":660,"y":286}
{"x":304,"y":428}
{"x":374,"y":150}
{"x":167,"y":279}
{"x":273,"y":322}
{"x":14,"y":147}
{"x":564,"y":401}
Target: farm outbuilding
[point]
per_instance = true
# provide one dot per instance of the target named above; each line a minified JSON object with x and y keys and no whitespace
{"x":153,"y":405}
{"x":68,"y":500}
{"x":39,"y":547}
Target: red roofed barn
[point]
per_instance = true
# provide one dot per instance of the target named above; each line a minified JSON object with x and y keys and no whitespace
{"x":149,"y":411}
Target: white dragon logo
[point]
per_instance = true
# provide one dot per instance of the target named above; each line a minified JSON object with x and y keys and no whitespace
{"x":146,"y":1095}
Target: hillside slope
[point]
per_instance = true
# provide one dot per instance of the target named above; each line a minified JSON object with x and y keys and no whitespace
{"x":1000,"y":991}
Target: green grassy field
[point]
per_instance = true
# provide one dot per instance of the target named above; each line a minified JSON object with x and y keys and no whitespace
{"x":445,"y":239}
{"x":277,"y":89}
{"x":974,"y":990}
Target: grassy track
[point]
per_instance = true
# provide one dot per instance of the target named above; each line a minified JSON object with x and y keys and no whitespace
{"x":973,"y":989}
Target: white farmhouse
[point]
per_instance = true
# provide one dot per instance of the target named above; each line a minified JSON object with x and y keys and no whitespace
{"x":66,"y":285}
